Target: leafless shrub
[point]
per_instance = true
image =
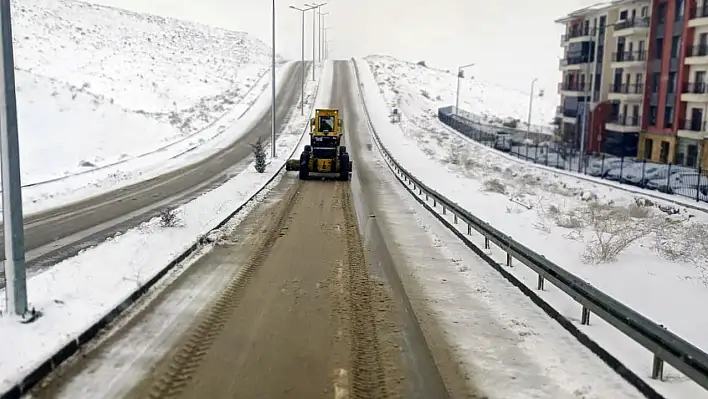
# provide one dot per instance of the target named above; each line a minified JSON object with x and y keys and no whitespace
{"x":613,"y":230}
{"x":495,"y":186}
{"x":169,"y":218}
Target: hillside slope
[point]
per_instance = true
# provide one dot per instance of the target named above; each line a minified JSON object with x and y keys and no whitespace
{"x":98,"y":84}
{"x":489,"y":100}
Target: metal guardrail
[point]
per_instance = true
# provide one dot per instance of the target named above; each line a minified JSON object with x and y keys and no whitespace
{"x":665,"y":345}
{"x":45,"y":368}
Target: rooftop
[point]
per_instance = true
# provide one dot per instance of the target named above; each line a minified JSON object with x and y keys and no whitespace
{"x":595,"y":8}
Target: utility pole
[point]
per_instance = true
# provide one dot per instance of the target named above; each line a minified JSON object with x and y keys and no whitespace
{"x":320,"y":48}
{"x":457,"y":96}
{"x":528,"y":123}
{"x":272,"y":108}
{"x":315,"y":8}
{"x":302,"y":47}
{"x":15,"y":272}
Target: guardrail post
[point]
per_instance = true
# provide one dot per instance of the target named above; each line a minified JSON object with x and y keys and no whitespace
{"x":657,"y":368}
{"x":444,"y":210}
{"x":508,"y":259}
{"x":585,"y":317}
{"x":469,"y":230}
{"x":426,"y":197}
{"x":541,"y":280}
{"x":455,"y":218}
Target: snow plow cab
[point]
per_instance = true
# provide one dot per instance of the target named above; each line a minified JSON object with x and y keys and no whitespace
{"x":324,"y":155}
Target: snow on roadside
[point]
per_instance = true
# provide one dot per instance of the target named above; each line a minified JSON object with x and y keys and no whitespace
{"x":648,"y":254}
{"x":99,"y":85}
{"x":78,"y":291}
{"x":179,"y":153}
{"x":505,"y":343}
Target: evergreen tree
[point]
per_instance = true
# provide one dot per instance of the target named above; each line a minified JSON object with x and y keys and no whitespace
{"x":260,"y":154}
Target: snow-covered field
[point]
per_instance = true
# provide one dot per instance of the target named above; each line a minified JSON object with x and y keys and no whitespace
{"x":98,"y":86}
{"x":482,"y":99}
{"x":78,"y":291}
{"x":651,"y":255}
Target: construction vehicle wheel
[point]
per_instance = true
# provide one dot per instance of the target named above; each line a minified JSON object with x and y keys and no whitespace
{"x":344,"y":166}
{"x":308,"y":149}
{"x":304,"y":172}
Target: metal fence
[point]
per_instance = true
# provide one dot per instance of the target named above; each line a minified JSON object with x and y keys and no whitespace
{"x":690,"y":182}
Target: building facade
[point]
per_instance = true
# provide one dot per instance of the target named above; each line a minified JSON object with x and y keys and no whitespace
{"x":640,"y":67}
{"x":617,"y":48}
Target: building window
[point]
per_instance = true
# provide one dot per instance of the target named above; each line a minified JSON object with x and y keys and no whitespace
{"x":661,"y":13}
{"x":645,"y":11}
{"x":648,"y":148}
{"x":655,"y":80}
{"x":671,"y":86}
{"x":623,"y":15}
{"x":675,"y":46}
{"x":678,"y":15}
{"x":652,"y":115}
{"x":668,"y":117}
{"x":664,"y":153}
{"x":658,"y":48}
{"x":691,"y":155}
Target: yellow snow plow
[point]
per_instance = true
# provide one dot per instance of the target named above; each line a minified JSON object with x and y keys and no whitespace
{"x":324,"y":155}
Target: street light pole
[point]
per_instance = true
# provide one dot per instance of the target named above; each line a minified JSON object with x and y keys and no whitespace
{"x":314,"y":7}
{"x":325,"y":41}
{"x":272,"y":92}
{"x":528,"y":123}
{"x":302,"y":47}
{"x":320,"y":48}
{"x":457,"y":96}
{"x":15,"y":272}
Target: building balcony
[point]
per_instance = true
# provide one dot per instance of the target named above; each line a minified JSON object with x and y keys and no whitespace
{"x":629,"y":59}
{"x":573,"y":88}
{"x":697,"y":55}
{"x":568,"y":115}
{"x":632,"y":27}
{"x":578,"y":35}
{"x":575,"y":63}
{"x":698,"y":17}
{"x":691,"y":128}
{"x":626,"y":92}
{"x":694,"y":92}
{"x":623,"y":123}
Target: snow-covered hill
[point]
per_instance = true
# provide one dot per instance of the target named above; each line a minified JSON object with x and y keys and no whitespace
{"x":491,"y":101}
{"x":98,"y":84}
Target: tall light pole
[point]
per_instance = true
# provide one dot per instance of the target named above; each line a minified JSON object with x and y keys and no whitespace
{"x":324,"y":41}
{"x":315,"y":8}
{"x":459,"y":76}
{"x":320,"y":48}
{"x":15,"y":272}
{"x":528,"y":123}
{"x":302,"y":82}
{"x":272,"y":92}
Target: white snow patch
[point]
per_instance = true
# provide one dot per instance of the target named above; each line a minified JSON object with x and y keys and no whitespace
{"x":99,"y":85}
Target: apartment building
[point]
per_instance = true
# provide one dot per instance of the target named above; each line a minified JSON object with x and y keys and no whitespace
{"x":690,"y":144}
{"x":613,"y":37}
{"x":628,"y":77}
{"x":584,"y":61}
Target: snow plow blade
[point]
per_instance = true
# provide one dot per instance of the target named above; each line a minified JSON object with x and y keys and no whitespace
{"x":292,"y":164}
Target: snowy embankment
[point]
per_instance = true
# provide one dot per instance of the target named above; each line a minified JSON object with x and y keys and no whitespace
{"x":98,"y":86}
{"x":78,"y":291}
{"x":650,"y":255}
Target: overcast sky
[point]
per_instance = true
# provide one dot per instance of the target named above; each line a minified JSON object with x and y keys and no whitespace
{"x":511,"y":41}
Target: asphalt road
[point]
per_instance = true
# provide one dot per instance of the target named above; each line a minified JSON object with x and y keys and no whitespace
{"x":61,"y":232}
{"x":307,"y":304}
